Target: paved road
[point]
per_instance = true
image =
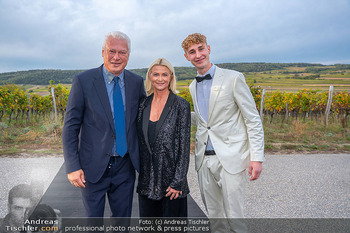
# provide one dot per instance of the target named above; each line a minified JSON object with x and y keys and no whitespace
{"x":302,"y":186}
{"x":297,"y":186}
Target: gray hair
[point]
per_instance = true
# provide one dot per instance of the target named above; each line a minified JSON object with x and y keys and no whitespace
{"x":118,"y":35}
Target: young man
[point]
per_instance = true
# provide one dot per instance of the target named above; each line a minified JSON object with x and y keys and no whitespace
{"x":229,"y":137}
{"x":20,"y":204}
{"x":100,"y":142}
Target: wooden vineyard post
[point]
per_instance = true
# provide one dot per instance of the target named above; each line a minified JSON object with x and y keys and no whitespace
{"x":54,"y":103}
{"x":329,"y":103}
{"x":28,"y":116}
{"x":262,"y":105}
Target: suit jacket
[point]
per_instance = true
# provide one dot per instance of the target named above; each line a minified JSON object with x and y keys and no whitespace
{"x":88,"y":131}
{"x":165,"y":162}
{"x":234,"y":124}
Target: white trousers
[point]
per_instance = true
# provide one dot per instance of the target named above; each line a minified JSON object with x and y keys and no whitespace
{"x":223,"y":196}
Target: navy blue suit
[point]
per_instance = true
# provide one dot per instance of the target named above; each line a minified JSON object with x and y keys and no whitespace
{"x":88,"y":139}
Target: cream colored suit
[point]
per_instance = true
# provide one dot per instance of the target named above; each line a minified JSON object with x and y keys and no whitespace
{"x":234,"y":124}
{"x":237,"y":135}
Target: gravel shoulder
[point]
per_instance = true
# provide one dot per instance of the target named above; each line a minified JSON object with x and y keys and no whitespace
{"x":291,"y":186}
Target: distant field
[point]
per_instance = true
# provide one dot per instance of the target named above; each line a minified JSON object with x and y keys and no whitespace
{"x":289,"y":79}
{"x":288,"y":86}
{"x":277,"y":80}
{"x":42,"y":90}
{"x":292,"y":79}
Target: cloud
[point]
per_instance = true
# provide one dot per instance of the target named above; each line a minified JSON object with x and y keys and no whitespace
{"x":68,"y":34}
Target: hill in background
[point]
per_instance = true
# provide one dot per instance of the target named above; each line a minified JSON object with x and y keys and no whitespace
{"x":43,"y":77}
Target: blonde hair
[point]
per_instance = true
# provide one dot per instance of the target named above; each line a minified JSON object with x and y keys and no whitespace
{"x":195,"y":38}
{"x":160,"y":62}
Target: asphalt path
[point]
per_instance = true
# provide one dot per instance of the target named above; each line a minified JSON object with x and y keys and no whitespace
{"x":301,"y":186}
{"x":290,"y":186}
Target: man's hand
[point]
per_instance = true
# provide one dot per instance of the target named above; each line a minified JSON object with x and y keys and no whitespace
{"x":172,"y":193}
{"x":77,"y":178}
{"x":255,"y":168}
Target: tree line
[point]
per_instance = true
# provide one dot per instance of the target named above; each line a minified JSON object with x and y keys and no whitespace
{"x":43,"y":77}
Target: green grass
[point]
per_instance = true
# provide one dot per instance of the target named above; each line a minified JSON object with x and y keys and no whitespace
{"x":37,"y":137}
{"x":305,"y":136}
{"x":294,"y":136}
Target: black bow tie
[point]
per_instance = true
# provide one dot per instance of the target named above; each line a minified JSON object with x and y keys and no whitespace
{"x":200,"y":79}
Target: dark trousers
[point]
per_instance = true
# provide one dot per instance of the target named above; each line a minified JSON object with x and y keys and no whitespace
{"x":117,"y":183}
{"x":162,"y":208}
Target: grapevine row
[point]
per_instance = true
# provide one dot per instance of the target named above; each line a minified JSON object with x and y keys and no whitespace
{"x":311,"y":103}
{"x":16,"y":102}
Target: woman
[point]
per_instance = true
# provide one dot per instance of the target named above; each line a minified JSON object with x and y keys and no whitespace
{"x":164,"y":128}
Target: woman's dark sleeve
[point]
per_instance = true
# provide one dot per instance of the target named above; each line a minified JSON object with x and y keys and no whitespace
{"x":182,"y":145}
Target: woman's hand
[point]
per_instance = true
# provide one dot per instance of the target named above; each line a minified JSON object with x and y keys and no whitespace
{"x":172,"y":193}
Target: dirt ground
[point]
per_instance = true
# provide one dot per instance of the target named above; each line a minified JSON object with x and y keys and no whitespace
{"x":48,"y":152}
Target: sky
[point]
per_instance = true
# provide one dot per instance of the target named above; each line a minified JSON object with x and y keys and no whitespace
{"x":68,"y":34}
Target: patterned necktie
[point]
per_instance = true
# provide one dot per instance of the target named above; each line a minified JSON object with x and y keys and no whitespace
{"x":119,"y":119}
{"x":200,"y":79}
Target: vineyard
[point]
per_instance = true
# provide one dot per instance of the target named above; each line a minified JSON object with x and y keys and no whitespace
{"x":16,"y":103}
{"x":304,"y":103}
{"x":295,"y":121}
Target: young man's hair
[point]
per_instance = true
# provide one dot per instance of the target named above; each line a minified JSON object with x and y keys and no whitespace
{"x":20,"y":191}
{"x":195,"y":38}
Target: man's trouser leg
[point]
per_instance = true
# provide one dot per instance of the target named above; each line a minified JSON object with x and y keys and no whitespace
{"x":223,"y":195}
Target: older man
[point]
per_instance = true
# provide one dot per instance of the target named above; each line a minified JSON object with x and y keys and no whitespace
{"x":99,"y":134}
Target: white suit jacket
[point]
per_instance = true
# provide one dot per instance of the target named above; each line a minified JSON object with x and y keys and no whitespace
{"x":234,"y":124}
